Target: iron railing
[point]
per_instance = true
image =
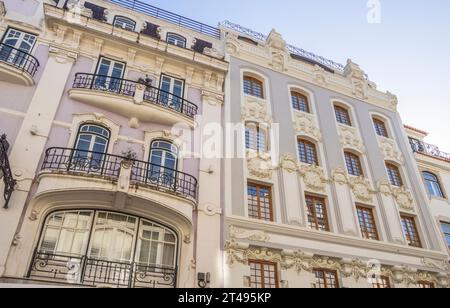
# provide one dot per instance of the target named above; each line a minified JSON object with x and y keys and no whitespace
{"x":5,"y":171}
{"x":165,"y":179}
{"x":128,"y":88}
{"x":107,"y":165}
{"x":92,"y":272}
{"x":428,"y":149}
{"x":292,"y":49}
{"x":18,"y":59}
{"x":176,"y":19}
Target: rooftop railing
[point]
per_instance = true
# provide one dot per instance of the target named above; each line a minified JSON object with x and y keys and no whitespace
{"x":428,"y":149}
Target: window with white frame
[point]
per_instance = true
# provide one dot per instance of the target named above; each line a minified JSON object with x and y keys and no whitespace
{"x":176,"y":39}
{"x":124,"y":23}
{"x":433,"y":184}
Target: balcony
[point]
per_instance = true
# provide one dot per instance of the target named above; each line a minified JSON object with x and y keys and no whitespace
{"x":107,"y":166}
{"x":88,"y":272}
{"x":5,"y":171}
{"x":17,"y":66}
{"x":133,"y":99}
{"x":428,"y":150}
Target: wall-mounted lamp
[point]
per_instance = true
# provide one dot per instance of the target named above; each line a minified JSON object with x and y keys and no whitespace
{"x":203,"y":279}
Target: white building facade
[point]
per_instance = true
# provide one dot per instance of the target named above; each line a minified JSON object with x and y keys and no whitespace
{"x":111,"y":177}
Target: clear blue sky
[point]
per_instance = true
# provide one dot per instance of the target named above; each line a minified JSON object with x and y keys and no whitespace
{"x":408,"y":53}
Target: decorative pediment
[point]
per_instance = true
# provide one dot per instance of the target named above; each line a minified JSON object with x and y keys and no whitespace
{"x":390,"y":149}
{"x":362,"y":189}
{"x":305,"y":124}
{"x":313,"y":177}
{"x":350,"y":138}
{"x":255,"y":110}
{"x":260,"y":166}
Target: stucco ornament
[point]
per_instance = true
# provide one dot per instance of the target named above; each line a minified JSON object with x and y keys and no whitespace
{"x":350,"y":138}
{"x":358,"y":80}
{"x":305,"y":124}
{"x":404,"y":274}
{"x":232,"y":44}
{"x":253,"y":235}
{"x":384,"y":187}
{"x":436,"y":264}
{"x":354,"y":268}
{"x":260,"y":166}
{"x":212,"y":98}
{"x":213,"y":52}
{"x":297,"y":260}
{"x":2,"y":11}
{"x":390,"y":150}
{"x":255,"y":110}
{"x":361,"y":189}
{"x":314,"y":177}
{"x":241,"y":253}
{"x":393,"y":101}
{"x":403,"y":197}
{"x":340,"y":176}
{"x":277,"y":49}
{"x":320,"y":76}
{"x":289,"y":163}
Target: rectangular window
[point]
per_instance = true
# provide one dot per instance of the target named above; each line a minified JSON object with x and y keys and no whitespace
{"x":446,"y":230}
{"x":259,"y":202}
{"x":300,"y":102}
{"x":263,"y":275}
{"x":411,"y":232}
{"x":380,"y":282}
{"x":326,"y":279}
{"x":395,"y":177}
{"x":342,"y":116}
{"x":380,"y":128}
{"x":317,"y":213}
{"x":367,"y":223}
{"x":425,"y":285}
{"x":253,"y":87}
{"x":307,"y":152}
{"x":353,"y":164}
{"x":16,"y":46}
{"x":256,"y":137}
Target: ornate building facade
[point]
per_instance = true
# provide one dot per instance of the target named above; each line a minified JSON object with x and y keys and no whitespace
{"x":107,"y":106}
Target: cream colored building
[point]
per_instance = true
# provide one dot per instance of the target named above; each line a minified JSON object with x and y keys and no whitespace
{"x":145,"y":149}
{"x":332,"y":195}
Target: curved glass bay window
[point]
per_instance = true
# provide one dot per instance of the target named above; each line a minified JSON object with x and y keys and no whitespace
{"x":107,"y":248}
{"x":90,"y":147}
{"x":163,"y":163}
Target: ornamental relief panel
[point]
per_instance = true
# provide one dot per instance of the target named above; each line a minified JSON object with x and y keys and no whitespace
{"x":301,"y":261}
{"x":350,"y":138}
{"x":402,"y":195}
{"x":253,"y":235}
{"x":305,"y":124}
{"x":255,"y":110}
{"x":362,"y":189}
{"x":313,"y":176}
{"x":390,"y":149}
{"x":260,"y":166}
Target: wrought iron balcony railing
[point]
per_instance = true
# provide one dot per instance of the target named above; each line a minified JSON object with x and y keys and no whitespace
{"x":91,"y":272}
{"x":5,"y":171}
{"x":170,"y":17}
{"x":428,"y":149}
{"x":126,"y":87}
{"x":107,"y":165}
{"x":18,"y":59}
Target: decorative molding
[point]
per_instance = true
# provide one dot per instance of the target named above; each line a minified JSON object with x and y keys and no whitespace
{"x":305,"y":124}
{"x":340,"y":176}
{"x":253,"y":235}
{"x":436,"y":264}
{"x":314,"y":177}
{"x":289,"y":163}
{"x":403,"y":197}
{"x":361,"y":188}
{"x":255,"y":110}
{"x":350,"y":138}
{"x":213,"y":99}
{"x":62,"y":56}
{"x":390,"y":150}
{"x":260,"y":166}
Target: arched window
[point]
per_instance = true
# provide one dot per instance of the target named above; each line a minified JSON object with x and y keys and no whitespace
{"x":342,"y":115}
{"x":163,"y":163}
{"x":253,"y":87}
{"x":380,"y":128}
{"x":307,"y":152}
{"x":395,"y":177}
{"x":353,"y":163}
{"x":300,"y":102}
{"x":256,"y":137}
{"x":22,"y":41}
{"x":124,"y":23}
{"x":176,"y":39}
{"x":91,"y":146}
{"x":433,"y":185}
{"x":106,"y":248}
